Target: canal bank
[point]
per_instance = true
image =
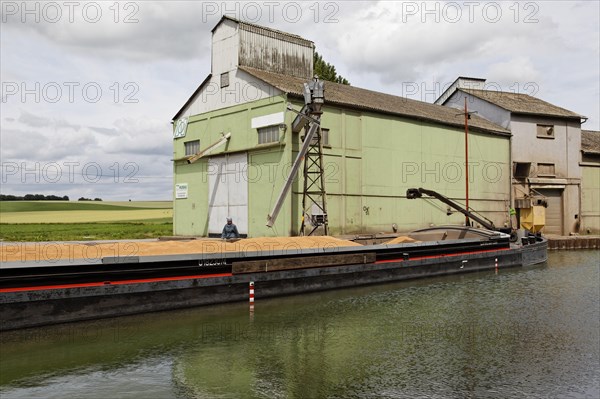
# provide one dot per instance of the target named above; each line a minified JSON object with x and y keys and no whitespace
{"x":573,"y":242}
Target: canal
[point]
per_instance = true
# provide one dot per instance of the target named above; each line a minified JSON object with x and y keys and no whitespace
{"x":526,"y":332}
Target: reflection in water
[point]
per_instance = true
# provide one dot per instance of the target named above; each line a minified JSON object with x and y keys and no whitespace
{"x":525,"y":332}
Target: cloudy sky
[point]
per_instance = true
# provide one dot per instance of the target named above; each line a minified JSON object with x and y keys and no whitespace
{"x":89,"y":88}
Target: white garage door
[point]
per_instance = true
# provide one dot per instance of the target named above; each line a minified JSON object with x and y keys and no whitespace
{"x":228,"y":192}
{"x":553,"y":212}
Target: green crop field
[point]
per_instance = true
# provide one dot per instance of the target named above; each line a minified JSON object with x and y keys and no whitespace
{"x":85,"y":231}
{"x":64,"y":220}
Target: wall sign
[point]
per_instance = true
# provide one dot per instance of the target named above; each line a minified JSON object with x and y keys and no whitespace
{"x":181,"y":190}
{"x":180,"y":128}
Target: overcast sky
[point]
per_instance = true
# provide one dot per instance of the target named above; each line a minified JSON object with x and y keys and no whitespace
{"x":89,"y":88}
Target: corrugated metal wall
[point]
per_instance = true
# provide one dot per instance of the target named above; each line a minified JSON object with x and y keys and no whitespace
{"x":228,"y":192}
{"x":275,"y":52}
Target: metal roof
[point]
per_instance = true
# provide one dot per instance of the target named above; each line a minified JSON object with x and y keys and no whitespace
{"x":369,"y":100}
{"x":518,"y":103}
{"x":590,"y":142}
{"x":273,"y":33}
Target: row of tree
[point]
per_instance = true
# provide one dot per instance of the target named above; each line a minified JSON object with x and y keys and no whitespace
{"x":32,"y":197}
{"x":41,"y":197}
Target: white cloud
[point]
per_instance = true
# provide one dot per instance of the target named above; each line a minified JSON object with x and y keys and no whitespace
{"x":519,"y":69}
{"x":135,"y":31}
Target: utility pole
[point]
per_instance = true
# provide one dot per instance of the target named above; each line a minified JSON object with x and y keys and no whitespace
{"x":467,"y":223}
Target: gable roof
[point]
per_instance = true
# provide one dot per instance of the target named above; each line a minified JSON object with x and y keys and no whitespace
{"x":192,"y":97}
{"x":524,"y":104}
{"x":590,"y":142}
{"x":354,"y":97}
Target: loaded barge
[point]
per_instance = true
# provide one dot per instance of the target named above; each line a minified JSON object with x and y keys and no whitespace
{"x":56,"y":283}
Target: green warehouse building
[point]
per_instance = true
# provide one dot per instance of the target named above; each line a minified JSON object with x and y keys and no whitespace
{"x":233,"y":147}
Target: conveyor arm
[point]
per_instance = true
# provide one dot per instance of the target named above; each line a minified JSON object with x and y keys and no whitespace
{"x":292,"y":175}
{"x":412,"y":193}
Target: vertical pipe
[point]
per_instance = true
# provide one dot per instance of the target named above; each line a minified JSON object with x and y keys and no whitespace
{"x":466,"y":160}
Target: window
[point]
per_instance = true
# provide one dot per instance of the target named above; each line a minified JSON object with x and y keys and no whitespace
{"x":545,"y":131}
{"x":192,"y":147}
{"x":546,"y":169}
{"x":324,"y":137}
{"x":521,"y":169}
{"x":268,"y":134}
{"x":224,"y":79}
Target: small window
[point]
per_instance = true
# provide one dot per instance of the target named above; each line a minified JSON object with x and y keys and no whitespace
{"x":521,"y":169}
{"x":268,"y":134}
{"x":192,"y":147}
{"x":546,"y":169}
{"x":324,"y":137}
{"x":545,"y":131}
{"x":224,"y":79}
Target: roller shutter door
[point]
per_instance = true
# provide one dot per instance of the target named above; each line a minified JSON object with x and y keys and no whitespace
{"x":553,"y":211}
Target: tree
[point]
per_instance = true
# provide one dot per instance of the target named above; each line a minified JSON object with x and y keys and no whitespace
{"x":326,"y":71}
{"x":32,"y":197}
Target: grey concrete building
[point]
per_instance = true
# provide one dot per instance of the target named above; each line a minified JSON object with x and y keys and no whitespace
{"x":545,"y":149}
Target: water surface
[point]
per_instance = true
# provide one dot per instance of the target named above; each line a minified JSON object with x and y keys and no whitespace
{"x":526,"y":332}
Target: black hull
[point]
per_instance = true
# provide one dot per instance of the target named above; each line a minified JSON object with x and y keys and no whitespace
{"x":116,"y":288}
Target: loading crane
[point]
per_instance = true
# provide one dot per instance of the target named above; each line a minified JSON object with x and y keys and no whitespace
{"x":413,"y":193}
{"x":311,"y":152}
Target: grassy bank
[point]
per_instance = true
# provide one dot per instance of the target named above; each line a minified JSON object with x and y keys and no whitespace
{"x":84,"y":231}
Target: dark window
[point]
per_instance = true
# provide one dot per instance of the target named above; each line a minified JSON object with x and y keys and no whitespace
{"x":545,"y":131}
{"x":590,"y":158}
{"x":225,"y":79}
{"x":192,"y":147}
{"x":521,"y":169}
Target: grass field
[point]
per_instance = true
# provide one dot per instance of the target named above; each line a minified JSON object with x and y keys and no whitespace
{"x":85,"y":231}
{"x":63,"y":220}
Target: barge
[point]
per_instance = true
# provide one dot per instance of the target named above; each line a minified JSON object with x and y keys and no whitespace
{"x":54,"y":283}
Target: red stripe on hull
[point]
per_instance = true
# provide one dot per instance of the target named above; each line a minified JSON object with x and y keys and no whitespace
{"x":442,"y":256}
{"x":120,"y":282}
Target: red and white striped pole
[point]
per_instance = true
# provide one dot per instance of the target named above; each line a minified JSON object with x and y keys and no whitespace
{"x":251,"y":298}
